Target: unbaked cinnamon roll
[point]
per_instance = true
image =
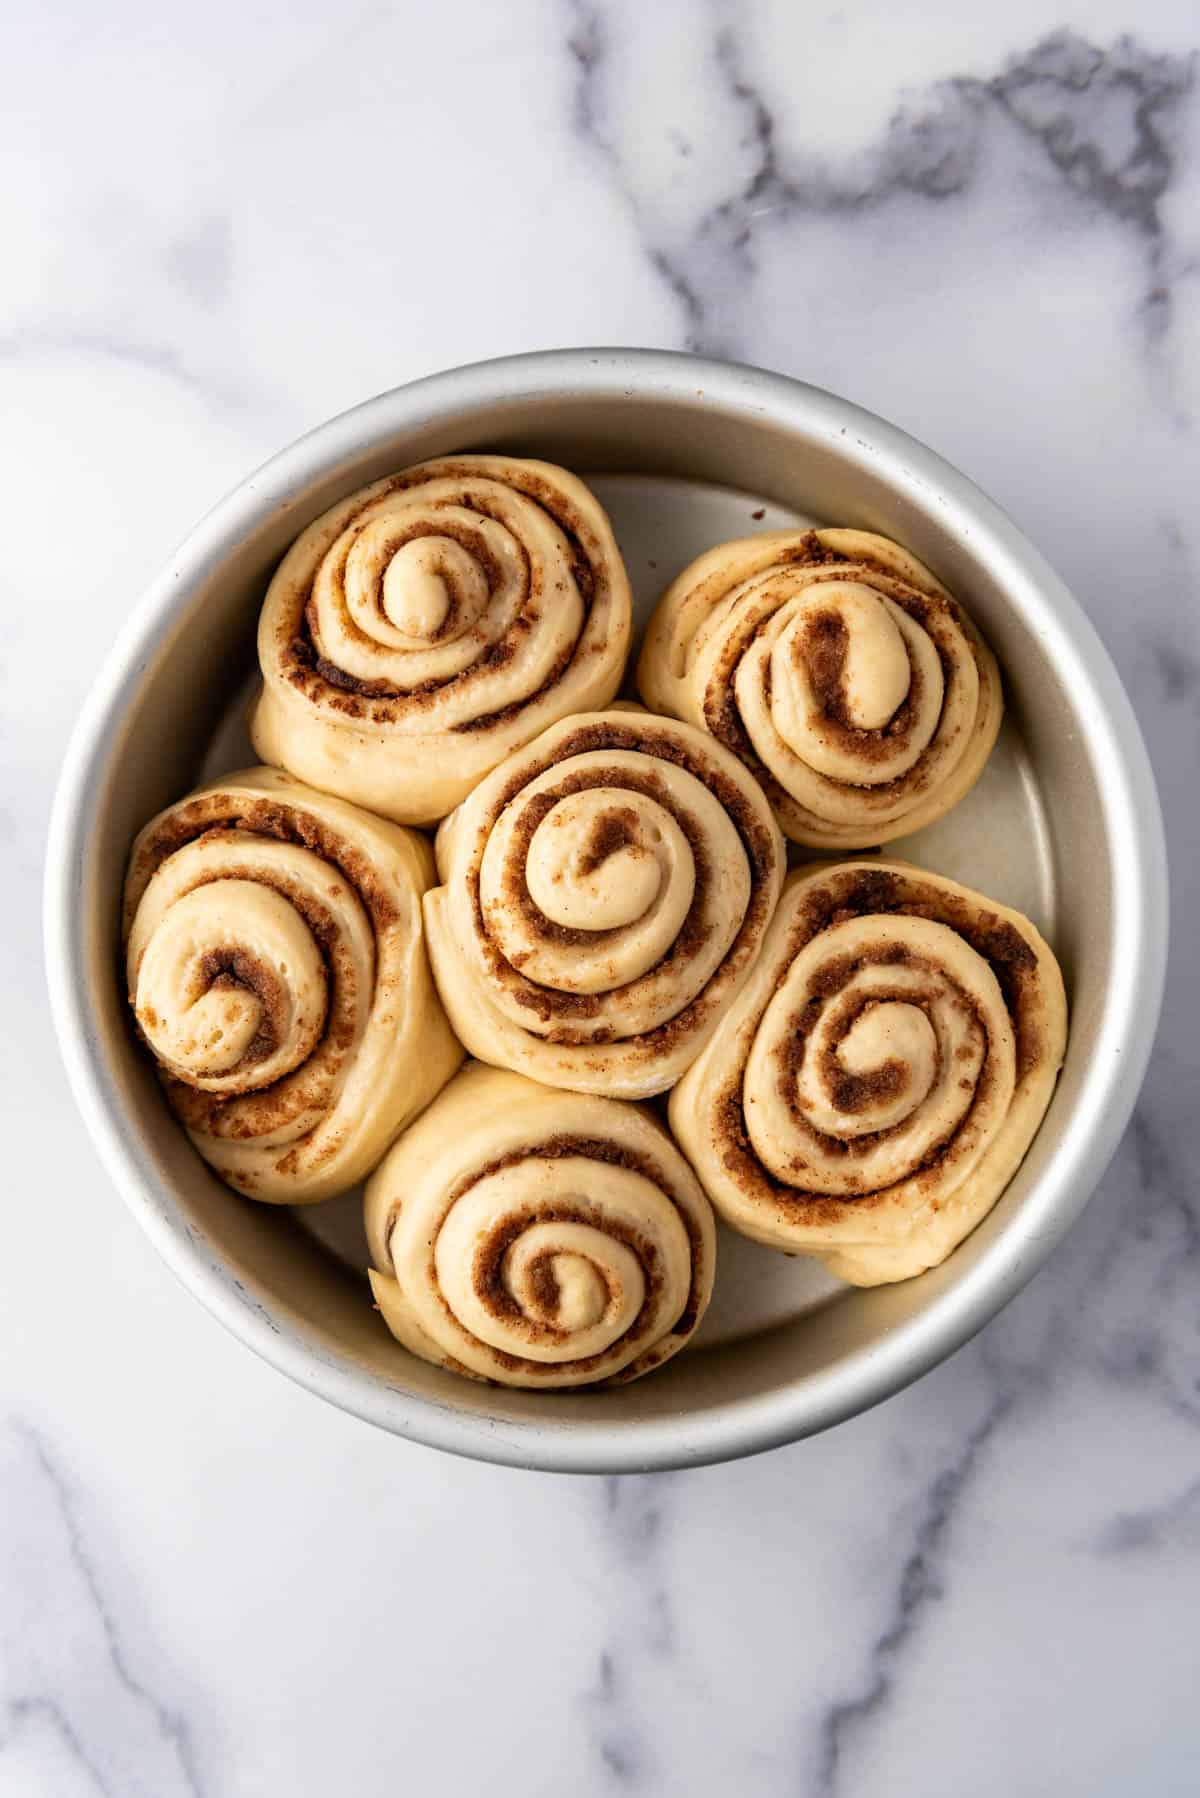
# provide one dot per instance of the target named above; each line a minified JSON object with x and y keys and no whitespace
{"x":605,"y":894}
{"x":839,"y":670}
{"x":433,"y":622}
{"x":877,"y":1083}
{"x":537,"y":1238}
{"x":277,"y":971}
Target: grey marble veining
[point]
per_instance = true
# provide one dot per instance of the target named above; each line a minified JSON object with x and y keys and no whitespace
{"x":230,"y":223}
{"x":74,"y":1706}
{"x":1105,"y":120}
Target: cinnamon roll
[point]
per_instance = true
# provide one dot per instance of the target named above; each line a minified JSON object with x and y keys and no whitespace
{"x":839,"y":670}
{"x":877,"y":1083}
{"x":536,"y":1238}
{"x":277,"y":971}
{"x":605,"y":893}
{"x":430,"y":624}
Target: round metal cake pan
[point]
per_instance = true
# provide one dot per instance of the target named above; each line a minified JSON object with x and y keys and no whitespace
{"x":1092,"y":855}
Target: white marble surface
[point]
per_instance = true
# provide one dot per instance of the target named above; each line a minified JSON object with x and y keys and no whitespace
{"x":221,"y":224}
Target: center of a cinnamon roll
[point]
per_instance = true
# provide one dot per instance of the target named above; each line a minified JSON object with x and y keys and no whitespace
{"x":840,"y":683}
{"x":252,"y":1029}
{"x":854,"y":657}
{"x":883,"y":1066}
{"x":231,"y":989}
{"x":433,"y":588}
{"x":550,"y":1278}
{"x":565,"y":1291}
{"x":406,"y":588}
{"x":594,"y":861}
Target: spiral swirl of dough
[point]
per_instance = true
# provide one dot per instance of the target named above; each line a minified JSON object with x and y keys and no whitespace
{"x":537,"y":1238}
{"x":430,"y":624}
{"x":605,"y":893}
{"x":277,"y":971}
{"x":878,"y":1081}
{"x":839,"y":670}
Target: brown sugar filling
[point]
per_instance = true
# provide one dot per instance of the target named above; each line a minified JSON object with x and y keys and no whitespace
{"x":613,"y":831}
{"x":543,"y":1282}
{"x":823,"y":647}
{"x":228,"y":971}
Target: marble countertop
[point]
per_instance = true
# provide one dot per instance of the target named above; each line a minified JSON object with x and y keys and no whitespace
{"x":222,"y":224}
